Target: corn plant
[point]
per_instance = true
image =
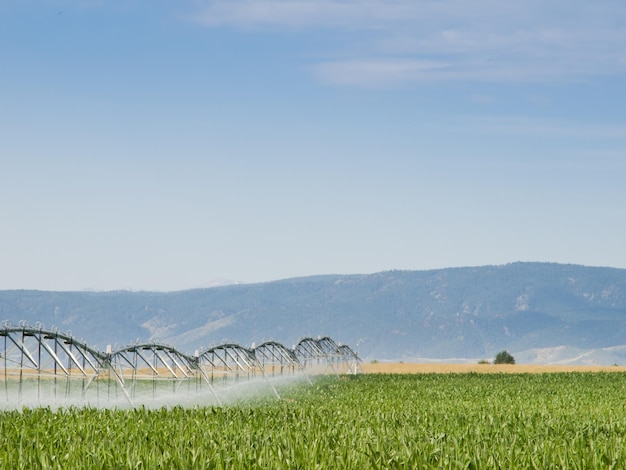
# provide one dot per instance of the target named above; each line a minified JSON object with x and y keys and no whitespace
{"x":452,"y":421}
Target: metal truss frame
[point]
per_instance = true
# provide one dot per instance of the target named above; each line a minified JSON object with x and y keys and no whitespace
{"x":63,"y":367}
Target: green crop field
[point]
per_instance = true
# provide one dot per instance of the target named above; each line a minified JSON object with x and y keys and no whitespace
{"x":556,"y":420}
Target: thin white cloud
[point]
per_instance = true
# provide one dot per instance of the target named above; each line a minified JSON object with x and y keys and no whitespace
{"x":307,"y":13}
{"x":374,"y":73}
{"x":538,"y":127}
{"x":374,"y":14}
{"x":406,"y":41}
{"x":385,"y":72}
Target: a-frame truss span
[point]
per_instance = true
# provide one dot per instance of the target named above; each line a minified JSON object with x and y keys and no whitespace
{"x":44,"y":366}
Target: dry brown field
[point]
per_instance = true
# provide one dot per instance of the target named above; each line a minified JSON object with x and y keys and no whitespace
{"x":410,"y":368}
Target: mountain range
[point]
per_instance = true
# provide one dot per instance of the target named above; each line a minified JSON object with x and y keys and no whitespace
{"x":541,"y":312}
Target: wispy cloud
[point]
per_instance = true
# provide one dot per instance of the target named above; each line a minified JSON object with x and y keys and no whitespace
{"x":379,"y":72}
{"x":538,"y":127}
{"x":405,"y":41}
{"x":306,"y":13}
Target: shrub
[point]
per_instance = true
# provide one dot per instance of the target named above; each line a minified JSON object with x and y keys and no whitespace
{"x":503,"y":357}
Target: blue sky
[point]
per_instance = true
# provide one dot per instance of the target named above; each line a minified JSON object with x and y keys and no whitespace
{"x":164,"y":145}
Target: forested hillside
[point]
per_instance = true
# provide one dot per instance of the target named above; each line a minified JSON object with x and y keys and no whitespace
{"x":447,"y":313}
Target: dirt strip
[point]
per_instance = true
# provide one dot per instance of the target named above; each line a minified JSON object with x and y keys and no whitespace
{"x":409,"y":368}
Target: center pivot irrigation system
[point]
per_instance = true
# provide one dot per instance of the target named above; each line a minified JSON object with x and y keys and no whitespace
{"x":47,"y":367}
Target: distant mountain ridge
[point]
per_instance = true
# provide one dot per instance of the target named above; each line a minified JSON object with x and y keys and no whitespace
{"x":470,"y":312}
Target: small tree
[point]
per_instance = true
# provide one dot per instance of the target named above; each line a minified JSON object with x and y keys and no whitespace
{"x":503,"y":357}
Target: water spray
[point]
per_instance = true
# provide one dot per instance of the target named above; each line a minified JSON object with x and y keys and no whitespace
{"x":43,"y":367}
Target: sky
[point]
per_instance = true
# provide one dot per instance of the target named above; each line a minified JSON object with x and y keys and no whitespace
{"x":166,"y":145}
